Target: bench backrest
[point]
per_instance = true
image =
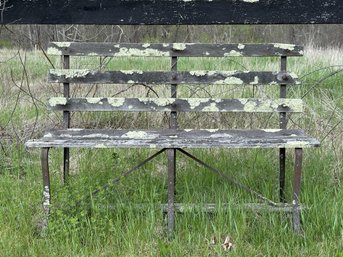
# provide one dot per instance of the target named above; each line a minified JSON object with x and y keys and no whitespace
{"x":174,"y":78}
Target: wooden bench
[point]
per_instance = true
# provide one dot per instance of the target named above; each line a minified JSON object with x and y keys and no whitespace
{"x":175,"y":139}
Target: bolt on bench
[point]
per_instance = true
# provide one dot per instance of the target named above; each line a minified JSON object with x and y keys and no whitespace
{"x":175,"y":139}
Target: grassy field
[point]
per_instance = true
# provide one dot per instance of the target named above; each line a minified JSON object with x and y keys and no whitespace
{"x":94,"y":228}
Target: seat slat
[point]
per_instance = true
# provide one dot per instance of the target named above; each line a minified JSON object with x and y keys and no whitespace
{"x":175,"y":104}
{"x":173,"y":49}
{"x":167,"y":77}
{"x":169,"y":138}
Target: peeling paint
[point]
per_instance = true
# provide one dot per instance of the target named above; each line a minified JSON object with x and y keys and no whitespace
{"x":179,"y":46}
{"x":198,"y":73}
{"x":70,"y":73}
{"x":295,"y":144}
{"x":211,"y":108}
{"x":94,"y":100}
{"x":229,"y":81}
{"x":116,"y":102}
{"x":57,"y":101}
{"x":241,"y":46}
{"x":124,"y":51}
{"x":272,"y":130}
{"x":251,"y":1}
{"x":138,"y":135}
{"x":162,"y":101}
{"x":195,"y":102}
{"x":285,"y":46}
{"x":233,"y":53}
{"x":255,"y":82}
{"x":46,"y":196}
{"x":146,"y":45}
{"x":130,"y":72}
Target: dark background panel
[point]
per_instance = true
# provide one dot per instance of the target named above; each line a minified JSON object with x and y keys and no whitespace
{"x":171,"y":12}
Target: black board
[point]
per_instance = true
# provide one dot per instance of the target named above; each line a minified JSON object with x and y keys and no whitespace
{"x":171,"y":12}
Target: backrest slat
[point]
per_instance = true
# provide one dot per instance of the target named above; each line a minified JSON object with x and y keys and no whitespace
{"x":175,"y":49}
{"x":168,"y":77}
{"x":248,"y":105}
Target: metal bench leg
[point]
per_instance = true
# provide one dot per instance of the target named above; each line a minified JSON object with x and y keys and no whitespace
{"x":282,"y":170}
{"x":296,"y":190}
{"x":46,"y":187}
{"x":171,"y":190}
{"x":65,"y":164}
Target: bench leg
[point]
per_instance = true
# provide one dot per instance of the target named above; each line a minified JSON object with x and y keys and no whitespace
{"x":296,"y":190}
{"x":171,"y":190}
{"x":282,"y":171}
{"x":65,"y":164}
{"x":46,"y":187}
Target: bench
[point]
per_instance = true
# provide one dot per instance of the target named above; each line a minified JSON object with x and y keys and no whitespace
{"x":175,"y":139}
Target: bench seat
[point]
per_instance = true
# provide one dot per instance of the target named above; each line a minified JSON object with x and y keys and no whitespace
{"x":174,"y":138}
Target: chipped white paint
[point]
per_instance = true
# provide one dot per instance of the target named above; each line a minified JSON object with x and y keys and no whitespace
{"x":124,"y":51}
{"x":146,"y":45}
{"x":241,"y":46}
{"x":161,"y":101}
{"x":138,"y":135}
{"x":94,"y":100}
{"x":233,"y":53}
{"x":272,"y":130}
{"x":198,"y":73}
{"x":131,"y":81}
{"x":188,"y":130}
{"x":130,"y":72}
{"x":179,"y":46}
{"x":116,"y":102}
{"x":251,"y":1}
{"x":285,"y":46}
{"x":221,"y":135}
{"x":46,"y":197}
{"x":48,"y":135}
{"x":229,"y":81}
{"x":165,"y":45}
{"x":96,"y":135}
{"x":55,"y":50}
{"x":294,"y":144}
{"x":195,"y":102}
{"x":70,"y":73}
{"x":255,"y":82}
{"x":212,"y":130}
{"x":57,"y":101}
{"x":116,"y":45}
{"x":211,"y":108}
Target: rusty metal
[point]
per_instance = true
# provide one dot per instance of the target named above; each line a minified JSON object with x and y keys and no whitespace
{"x":283,"y":125}
{"x":226,"y":177}
{"x":171,"y":190}
{"x":171,"y":154}
{"x":46,"y":188}
{"x":296,"y":189}
{"x":66,"y":119}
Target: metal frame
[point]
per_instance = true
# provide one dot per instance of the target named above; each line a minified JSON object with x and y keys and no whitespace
{"x":171,"y":166}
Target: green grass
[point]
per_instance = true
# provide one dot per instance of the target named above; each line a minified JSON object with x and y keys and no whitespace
{"x":108,"y":224}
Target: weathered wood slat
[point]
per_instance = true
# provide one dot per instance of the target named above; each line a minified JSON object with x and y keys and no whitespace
{"x":191,"y":12}
{"x":167,"y":77}
{"x":173,"y":49}
{"x":170,"y":138}
{"x":175,"y":104}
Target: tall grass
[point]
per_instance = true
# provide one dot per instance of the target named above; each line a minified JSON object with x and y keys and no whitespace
{"x":108,"y":225}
